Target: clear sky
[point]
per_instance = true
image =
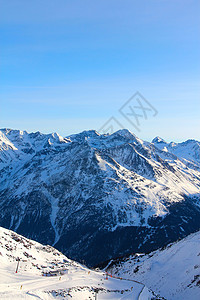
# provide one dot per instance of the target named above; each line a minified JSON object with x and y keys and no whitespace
{"x":68,"y":66}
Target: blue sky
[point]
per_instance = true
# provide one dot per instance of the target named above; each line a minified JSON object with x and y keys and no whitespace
{"x":67,"y":66}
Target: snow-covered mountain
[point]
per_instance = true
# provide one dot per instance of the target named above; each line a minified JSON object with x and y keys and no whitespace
{"x":95,"y":196}
{"x":173,"y":272}
{"x":29,"y":270}
{"x":188,"y":152}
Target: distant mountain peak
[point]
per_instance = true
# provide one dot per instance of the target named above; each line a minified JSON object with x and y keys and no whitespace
{"x":9,"y":131}
{"x":83,"y":135}
{"x":126,"y":133}
{"x":158,"y":139}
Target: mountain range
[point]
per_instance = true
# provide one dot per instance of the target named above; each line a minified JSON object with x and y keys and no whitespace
{"x":95,"y":197}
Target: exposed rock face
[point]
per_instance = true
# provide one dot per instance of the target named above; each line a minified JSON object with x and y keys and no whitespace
{"x":98,"y":196}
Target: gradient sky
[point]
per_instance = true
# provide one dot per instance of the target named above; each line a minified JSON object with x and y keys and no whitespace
{"x":68,"y":66}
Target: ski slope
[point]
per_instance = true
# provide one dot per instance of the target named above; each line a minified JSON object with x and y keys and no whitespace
{"x":37,"y":265}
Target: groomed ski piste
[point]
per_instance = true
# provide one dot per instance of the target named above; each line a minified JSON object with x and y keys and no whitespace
{"x":29,"y":270}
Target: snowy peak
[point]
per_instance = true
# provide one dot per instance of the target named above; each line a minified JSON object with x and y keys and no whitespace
{"x":13,"y":132}
{"x":84,"y":135}
{"x":158,"y":140}
{"x":123,"y":135}
{"x":30,"y":142}
{"x":188,"y":151}
{"x":127,"y":136}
